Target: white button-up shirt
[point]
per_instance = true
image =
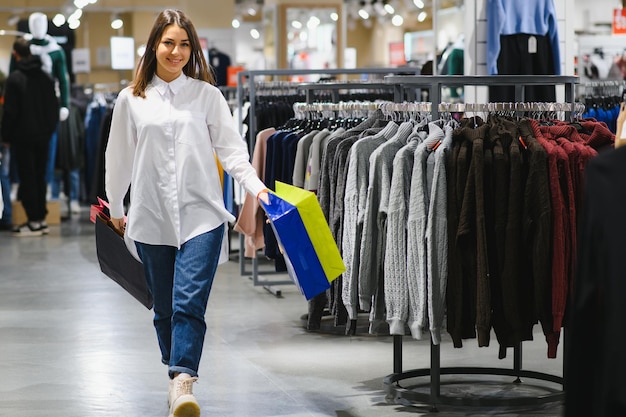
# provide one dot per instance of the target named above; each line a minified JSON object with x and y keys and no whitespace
{"x":164,"y":147}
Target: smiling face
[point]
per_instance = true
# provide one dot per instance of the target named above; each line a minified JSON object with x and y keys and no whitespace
{"x":172,"y":53}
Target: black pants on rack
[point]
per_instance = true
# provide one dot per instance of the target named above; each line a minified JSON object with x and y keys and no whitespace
{"x":516,"y":59}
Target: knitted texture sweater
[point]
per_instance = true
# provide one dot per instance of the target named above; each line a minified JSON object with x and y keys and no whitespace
{"x":416,"y":231}
{"x":374,"y":222}
{"x":354,"y":209}
{"x":395,"y":270}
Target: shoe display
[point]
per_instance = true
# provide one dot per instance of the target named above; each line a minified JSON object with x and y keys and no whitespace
{"x":181,"y":400}
{"x":28,"y":229}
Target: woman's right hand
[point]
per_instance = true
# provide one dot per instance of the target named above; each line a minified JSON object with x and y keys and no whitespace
{"x":118,"y":224}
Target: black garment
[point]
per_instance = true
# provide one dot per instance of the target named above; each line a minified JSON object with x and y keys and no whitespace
{"x":70,"y":142}
{"x":219,"y":62}
{"x":30,"y":116}
{"x":31,"y":107}
{"x":594,"y":370}
{"x":515,"y":59}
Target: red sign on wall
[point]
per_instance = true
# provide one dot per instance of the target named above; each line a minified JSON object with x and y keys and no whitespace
{"x":396,"y":54}
{"x":619,"y":21}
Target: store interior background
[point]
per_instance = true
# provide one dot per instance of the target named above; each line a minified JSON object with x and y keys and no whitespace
{"x":268,"y":40}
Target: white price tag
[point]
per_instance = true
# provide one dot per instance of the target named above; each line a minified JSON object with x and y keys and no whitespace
{"x":532,"y":45}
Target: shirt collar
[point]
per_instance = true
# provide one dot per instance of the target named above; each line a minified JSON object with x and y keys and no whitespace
{"x":175,"y":85}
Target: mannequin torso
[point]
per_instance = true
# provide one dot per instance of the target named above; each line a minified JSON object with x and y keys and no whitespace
{"x":52,"y":57}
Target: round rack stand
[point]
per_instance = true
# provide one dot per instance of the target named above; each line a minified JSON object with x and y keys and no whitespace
{"x":516,"y":393}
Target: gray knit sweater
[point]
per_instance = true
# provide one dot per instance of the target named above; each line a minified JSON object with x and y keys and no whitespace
{"x":302,"y":159}
{"x":354,"y":209}
{"x":374,"y":224}
{"x":437,"y":239}
{"x":395,"y":280}
{"x":416,"y":228}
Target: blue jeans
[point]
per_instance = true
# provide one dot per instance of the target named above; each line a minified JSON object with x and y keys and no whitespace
{"x":52,"y":154}
{"x":71,"y":190}
{"x":180,"y":281}
{"x":7,"y":213}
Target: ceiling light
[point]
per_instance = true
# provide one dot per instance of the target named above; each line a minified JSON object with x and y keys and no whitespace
{"x":419,"y":4}
{"x":363,"y":12}
{"x":235,"y":23}
{"x":58,"y":20}
{"x":334,"y":16}
{"x":116,"y":22}
{"x":296,"y":24}
{"x":73,"y":20}
{"x":389,"y":8}
{"x":313,"y":22}
{"x":255,"y":34}
{"x":422,"y":16}
{"x":379,"y":9}
{"x":397,"y":20}
{"x":76,"y":15}
{"x":74,"y":23}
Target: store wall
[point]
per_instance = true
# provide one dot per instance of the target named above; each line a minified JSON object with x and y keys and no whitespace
{"x":361,"y":38}
{"x":6,"y":45}
{"x":594,"y":16}
{"x":372,"y":42}
{"x":95,"y":31}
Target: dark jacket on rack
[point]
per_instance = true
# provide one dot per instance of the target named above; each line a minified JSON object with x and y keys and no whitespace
{"x":461,"y":310}
{"x":513,"y":316}
{"x":31,"y":107}
{"x":593,"y":369}
{"x":71,"y":141}
{"x":537,"y":230}
{"x":472,"y":233}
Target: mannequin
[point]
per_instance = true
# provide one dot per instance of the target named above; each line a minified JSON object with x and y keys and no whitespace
{"x":54,"y":63}
{"x":522,"y":39}
{"x":52,"y":57}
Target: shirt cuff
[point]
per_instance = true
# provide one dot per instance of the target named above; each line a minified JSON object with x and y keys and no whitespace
{"x":116,"y":209}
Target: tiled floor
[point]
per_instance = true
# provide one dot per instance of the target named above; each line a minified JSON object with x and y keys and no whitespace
{"x":73,"y":344}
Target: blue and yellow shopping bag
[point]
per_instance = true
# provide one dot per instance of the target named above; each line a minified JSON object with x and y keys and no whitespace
{"x":311,"y":254}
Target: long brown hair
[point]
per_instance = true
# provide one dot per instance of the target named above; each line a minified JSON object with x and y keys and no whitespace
{"x":197,"y":66}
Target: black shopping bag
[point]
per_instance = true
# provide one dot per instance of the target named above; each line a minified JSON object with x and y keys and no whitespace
{"x":118,"y":264}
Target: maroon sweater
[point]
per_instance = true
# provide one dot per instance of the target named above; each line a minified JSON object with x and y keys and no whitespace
{"x":558,"y":170}
{"x":537,"y":229}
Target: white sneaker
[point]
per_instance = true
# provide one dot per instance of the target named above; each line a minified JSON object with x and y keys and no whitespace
{"x":74,"y":207}
{"x":181,"y":400}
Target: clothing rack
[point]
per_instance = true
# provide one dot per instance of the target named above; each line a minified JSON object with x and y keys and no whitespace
{"x":406,"y":86}
{"x":335,"y":87}
{"x":247,"y":83}
{"x":246,"y":80}
{"x":607,"y":87}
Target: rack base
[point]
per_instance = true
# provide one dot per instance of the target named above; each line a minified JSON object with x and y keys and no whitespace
{"x":395,"y":392}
